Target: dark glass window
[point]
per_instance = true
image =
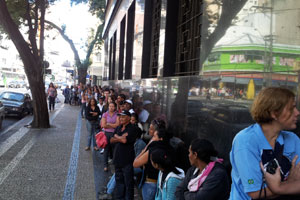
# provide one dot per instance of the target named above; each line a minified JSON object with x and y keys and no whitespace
{"x":188,"y":38}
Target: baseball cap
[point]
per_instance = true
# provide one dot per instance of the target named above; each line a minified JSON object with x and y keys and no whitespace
{"x":146,"y":102}
{"x":124,"y":112}
{"x":128,"y":101}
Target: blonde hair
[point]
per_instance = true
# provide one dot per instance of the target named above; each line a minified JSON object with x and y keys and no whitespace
{"x":271,"y":99}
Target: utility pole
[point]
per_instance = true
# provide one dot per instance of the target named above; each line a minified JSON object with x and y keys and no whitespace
{"x":271,"y":45}
{"x":268,"y":63}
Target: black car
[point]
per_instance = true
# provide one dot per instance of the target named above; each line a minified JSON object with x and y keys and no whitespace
{"x":2,"y":114}
{"x":16,"y":103}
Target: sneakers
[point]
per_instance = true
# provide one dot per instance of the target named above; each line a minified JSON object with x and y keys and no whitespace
{"x":110,"y":161}
{"x":87,"y":148}
{"x":102,"y":151}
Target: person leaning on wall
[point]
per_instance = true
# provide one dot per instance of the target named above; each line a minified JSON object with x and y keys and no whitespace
{"x":207,"y":179}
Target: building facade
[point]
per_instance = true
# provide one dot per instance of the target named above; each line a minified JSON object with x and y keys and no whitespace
{"x":201,"y":63}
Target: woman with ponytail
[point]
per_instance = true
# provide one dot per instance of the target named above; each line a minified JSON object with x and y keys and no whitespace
{"x":207,"y":178}
{"x":169,"y":176}
{"x":160,"y":139}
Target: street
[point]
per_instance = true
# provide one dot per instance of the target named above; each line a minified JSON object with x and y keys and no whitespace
{"x":10,"y":121}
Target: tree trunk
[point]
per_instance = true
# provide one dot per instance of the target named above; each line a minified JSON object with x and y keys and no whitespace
{"x":32,"y":67}
{"x":41,"y":116}
{"x":230,"y":9}
{"x":82,"y":72}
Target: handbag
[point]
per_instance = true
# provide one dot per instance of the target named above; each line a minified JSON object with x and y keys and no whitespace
{"x":101,"y":139}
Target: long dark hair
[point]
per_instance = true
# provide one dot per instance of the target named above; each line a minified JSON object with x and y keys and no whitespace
{"x":164,"y":134}
{"x":92,"y":99}
{"x":204,"y":149}
{"x":164,"y":159}
{"x":158,"y":124}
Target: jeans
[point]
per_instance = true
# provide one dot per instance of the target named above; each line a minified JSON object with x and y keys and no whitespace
{"x":108,"y":150}
{"x":149,"y":191}
{"x":51,"y":102}
{"x":83,"y":108}
{"x":111,"y":184}
{"x":124,"y":183}
{"x":67,"y":98}
{"x":91,"y":127}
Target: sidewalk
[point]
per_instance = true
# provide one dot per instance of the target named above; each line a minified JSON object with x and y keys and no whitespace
{"x":35,"y":163}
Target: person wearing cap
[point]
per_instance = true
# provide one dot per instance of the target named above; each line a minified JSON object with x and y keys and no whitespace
{"x":128,"y":106}
{"x":124,"y":138}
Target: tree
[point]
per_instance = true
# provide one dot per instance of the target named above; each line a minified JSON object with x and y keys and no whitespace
{"x":97,"y":8}
{"x":229,"y":11}
{"x":82,"y":66}
{"x":32,"y":57}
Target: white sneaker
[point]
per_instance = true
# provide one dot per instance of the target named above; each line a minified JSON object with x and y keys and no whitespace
{"x":102,"y":151}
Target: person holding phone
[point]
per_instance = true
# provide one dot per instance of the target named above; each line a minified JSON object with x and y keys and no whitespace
{"x":273,"y":179}
{"x":267,"y":141}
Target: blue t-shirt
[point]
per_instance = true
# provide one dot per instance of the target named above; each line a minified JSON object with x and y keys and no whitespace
{"x":245,"y":156}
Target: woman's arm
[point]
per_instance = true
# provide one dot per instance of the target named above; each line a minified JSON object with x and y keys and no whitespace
{"x":141,"y":160}
{"x":269,"y":193}
{"x":103,"y":122}
{"x":291,"y":186}
{"x":144,"y":150}
{"x":115,"y":125}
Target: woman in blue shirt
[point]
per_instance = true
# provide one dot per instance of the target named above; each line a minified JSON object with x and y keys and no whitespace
{"x":274,"y":110}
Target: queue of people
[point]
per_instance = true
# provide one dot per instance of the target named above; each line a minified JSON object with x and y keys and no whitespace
{"x":264,"y":156}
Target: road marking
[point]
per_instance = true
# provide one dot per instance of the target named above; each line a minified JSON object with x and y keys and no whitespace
{"x":12,"y":140}
{"x":72,"y":172}
{"x":13,"y":126}
{"x":11,"y":166}
{"x":56,"y":113}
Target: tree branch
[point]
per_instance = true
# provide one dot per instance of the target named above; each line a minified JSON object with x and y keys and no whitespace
{"x":21,"y":45}
{"x":66,"y":38}
{"x":32,"y":32}
{"x":42,"y":24}
{"x":96,"y":38}
{"x":230,"y":9}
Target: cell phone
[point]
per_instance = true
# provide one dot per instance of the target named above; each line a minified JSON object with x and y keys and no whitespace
{"x":271,"y":166}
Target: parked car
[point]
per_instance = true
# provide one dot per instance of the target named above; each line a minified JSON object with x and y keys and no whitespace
{"x":14,"y":84}
{"x":16,"y":103}
{"x":22,"y":84}
{"x":2,"y":113}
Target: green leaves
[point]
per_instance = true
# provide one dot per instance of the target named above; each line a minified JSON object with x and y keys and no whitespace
{"x":97,"y":7}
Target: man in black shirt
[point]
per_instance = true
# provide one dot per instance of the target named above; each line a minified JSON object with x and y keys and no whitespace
{"x":124,"y":138}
